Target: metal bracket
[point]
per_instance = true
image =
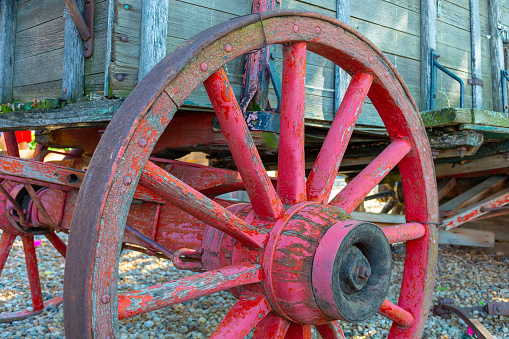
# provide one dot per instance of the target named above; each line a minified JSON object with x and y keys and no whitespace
{"x":475,"y":81}
{"x":446,"y":306}
{"x":505,"y":78}
{"x":503,"y":33}
{"x":433,"y":92}
{"x":256,"y":121}
{"x":85,"y":25}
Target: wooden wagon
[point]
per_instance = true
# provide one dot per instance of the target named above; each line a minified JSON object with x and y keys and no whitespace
{"x":257,"y":92}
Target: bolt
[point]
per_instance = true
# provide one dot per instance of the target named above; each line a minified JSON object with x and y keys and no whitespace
{"x":462,"y":150}
{"x":498,"y":309}
{"x":127,"y":7}
{"x":318,"y":30}
{"x":105,"y":298}
{"x":363,"y":272}
{"x":228,"y":48}
{"x":127,"y":180}
{"x":142,"y":142}
{"x":120,"y":77}
{"x":295,"y":28}
{"x":204,"y":67}
{"x":123,"y":38}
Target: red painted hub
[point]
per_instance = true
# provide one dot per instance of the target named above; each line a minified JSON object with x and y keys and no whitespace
{"x":319,"y":265}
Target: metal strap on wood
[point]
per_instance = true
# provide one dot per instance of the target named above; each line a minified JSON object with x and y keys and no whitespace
{"x":85,"y":25}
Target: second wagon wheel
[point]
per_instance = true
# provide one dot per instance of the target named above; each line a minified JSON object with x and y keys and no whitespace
{"x":295,"y":260}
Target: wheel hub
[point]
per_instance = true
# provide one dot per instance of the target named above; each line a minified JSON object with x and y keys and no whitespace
{"x":319,"y":264}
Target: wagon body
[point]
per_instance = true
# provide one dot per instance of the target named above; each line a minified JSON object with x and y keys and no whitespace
{"x":69,"y":94}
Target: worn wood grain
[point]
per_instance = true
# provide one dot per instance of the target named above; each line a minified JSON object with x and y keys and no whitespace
{"x":428,"y":43}
{"x":475,"y":40}
{"x":35,"y":12}
{"x":73,"y":82}
{"x":40,"y":91}
{"x":341,"y":78}
{"x":497,"y":54}
{"x":40,"y":39}
{"x":8,"y":20}
{"x":154,"y":30}
{"x":108,"y":46}
{"x":38,"y":69}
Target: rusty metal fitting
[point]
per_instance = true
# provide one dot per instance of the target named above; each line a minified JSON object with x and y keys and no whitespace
{"x":123,"y":38}
{"x":462,"y":150}
{"x":105,"y":299}
{"x":120,"y":77}
{"x":190,"y":253}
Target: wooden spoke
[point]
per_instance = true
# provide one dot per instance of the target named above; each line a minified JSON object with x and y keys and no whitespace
{"x":291,"y":185}
{"x":262,"y":194}
{"x":195,"y":203}
{"x":352,"y":194}
{"x":6,"y":242}
{"x":188,"y":288}
{"x":404,"y":232}
{"x":331,"y":331}
{"x":298,"y":331}
{"x":272,"y":326}
{"x":247,"y":312}
{"x":57,"y":243}
{"x":396,"y":314}
{"x":325,"y":168}
{"x":32,"y":272}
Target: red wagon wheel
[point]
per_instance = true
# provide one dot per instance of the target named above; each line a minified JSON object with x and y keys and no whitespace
{"x":293,"y":260}
{"x":11,"y":206}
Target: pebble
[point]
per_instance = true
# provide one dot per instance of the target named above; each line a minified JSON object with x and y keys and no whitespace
{"x":480,"y":278}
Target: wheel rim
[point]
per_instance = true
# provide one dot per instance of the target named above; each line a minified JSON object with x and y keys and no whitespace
{"x":98,"y":224}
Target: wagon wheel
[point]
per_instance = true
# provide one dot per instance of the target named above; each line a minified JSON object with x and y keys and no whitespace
{"x":287,"y":239}
{"x":10,"y":231}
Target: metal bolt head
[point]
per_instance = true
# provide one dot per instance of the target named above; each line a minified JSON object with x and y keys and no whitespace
{"x":127,"y":180}
{"x":370,"y":59}
{"x":123,"y":38}
{"x":228,"y":48}
{"x":127,"y":7}
{"x":105,"y":298}
{"x":142,"y":142}
{"x":318,"y":30}
{"x":295,"y":28}
{"x":363,"y":272}
{"x":120,"y":77}
{"x":204,"y":67}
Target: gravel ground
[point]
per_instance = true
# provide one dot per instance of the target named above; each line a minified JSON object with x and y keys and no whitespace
{"x":468,"y":276}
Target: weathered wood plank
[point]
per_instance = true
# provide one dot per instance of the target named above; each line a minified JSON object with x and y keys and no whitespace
{"x":341,"y":78}
{"x":154,"y":29}
{"x":110,"y":29}
{"x":73,"y":115}
{"x":73,"y":82}
{"x":428,"y":43}
{"x":40,"y":91}
{"x":476,"y":193}
{"x":467,"y":237}
{"x":28,"y":71}
{"x":35,"y":12}
{"x":497,"y":54}
{"x":475,"y":31}
{"x":40,"y":39}
{"x":8,"y":20}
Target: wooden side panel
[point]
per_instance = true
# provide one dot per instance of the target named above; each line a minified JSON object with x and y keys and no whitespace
{"x":94,"y":66}
{"x":38,"y":50}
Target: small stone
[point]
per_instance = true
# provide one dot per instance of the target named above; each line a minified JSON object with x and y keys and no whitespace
{"x":183,"y":329}
{"x":148,"y":324}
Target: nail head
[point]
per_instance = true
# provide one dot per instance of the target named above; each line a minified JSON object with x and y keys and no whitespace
{"x":318,"y":30}
{"x":295,"y":28}
{"x":120,"y":77}
{"x":123,"y":38}
{"x":127,"y":7}
{"x":228,"y":47}
{"x":105,"y":299}
{"x":142,"y":142}
{"x":204,"y":67}
{"x":127,"y":180}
